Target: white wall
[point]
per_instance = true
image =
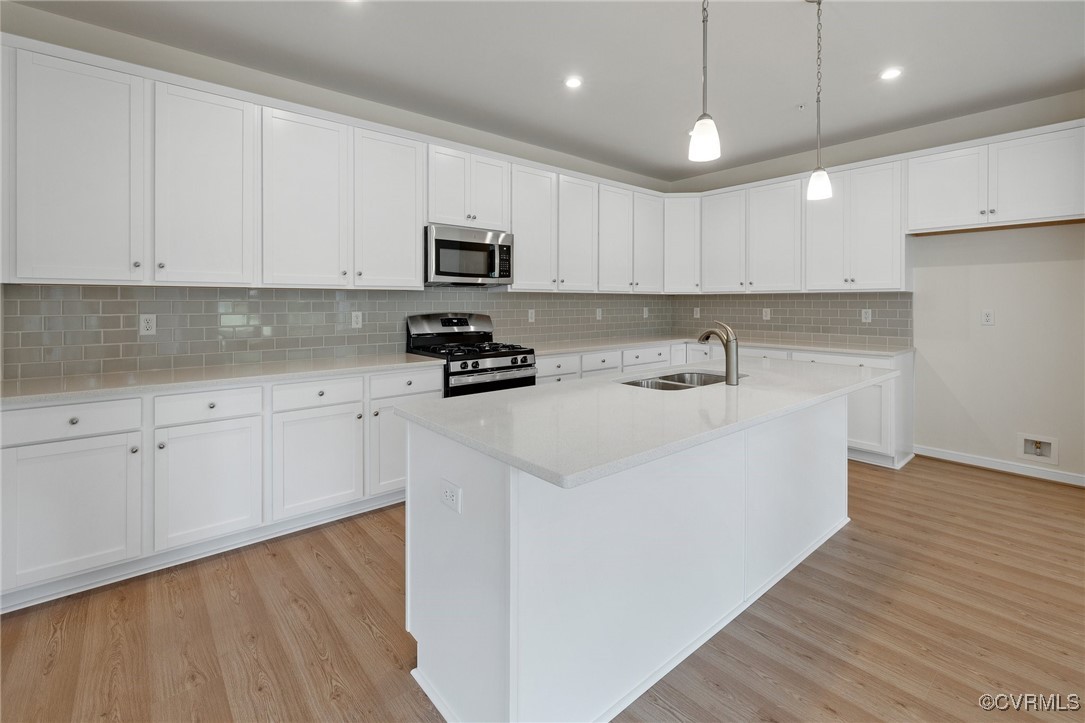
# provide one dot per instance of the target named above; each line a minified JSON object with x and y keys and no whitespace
{"x":978,"y":386}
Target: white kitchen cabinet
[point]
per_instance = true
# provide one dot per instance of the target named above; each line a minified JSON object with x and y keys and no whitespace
{"x":388,"y":443}
{"x":308,"y":205}
{"x":1033,"y":178}
{"x":389,"y":210}
{"x":774,"y":237}
{"x":466,"y":189}
{"x":640,"y":358}
{"x":79,"y":172}
{"x":70,"y":506}
{"x":854,"y":240}
{"x":207,"y":480}
{"x":682,"y":245}
{"x":317,"y":458}
{"x":578,"y":233}
{"x":534,"y":229}
{"x":558,"y":368}
{"x":647,"y":243}
{"x":723,"y":242}
{"x":615,"y":239}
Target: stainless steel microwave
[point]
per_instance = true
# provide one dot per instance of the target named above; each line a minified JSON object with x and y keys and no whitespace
{"x":460,"y":256}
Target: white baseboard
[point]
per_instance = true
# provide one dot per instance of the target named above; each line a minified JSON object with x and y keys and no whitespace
{"x":881,"y":460}
{"x":1027,"y":470}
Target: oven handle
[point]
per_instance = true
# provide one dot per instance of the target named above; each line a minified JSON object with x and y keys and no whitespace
{"x":482,"y":377}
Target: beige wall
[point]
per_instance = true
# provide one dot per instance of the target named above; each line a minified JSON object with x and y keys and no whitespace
{"x":978,"y":386}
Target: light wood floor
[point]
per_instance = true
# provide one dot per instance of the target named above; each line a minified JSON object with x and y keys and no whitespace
{"x":949,"y":582}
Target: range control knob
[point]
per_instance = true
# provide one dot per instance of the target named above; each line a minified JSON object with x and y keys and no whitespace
{"x":463,"y":365}
{"x":474,"y":365}
{"x":523,"y":360}
{"x":515,"y":360}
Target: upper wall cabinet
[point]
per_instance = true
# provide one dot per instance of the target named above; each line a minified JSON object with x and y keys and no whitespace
{"x":79,"y":172}
{"x":205,"y":198}
{"x":774,"y":237}
{"x":1039,"y":177}
{"x":467,"y":189}
{"x":647,"y":243}
{"x":534,"y":229}
{"x":308,"y":200}
{"x":723,"y":242}
{"x":389,"y":210}
{"x":578,"y":233}
{"x":854,"y":239}
{"x":615,"y":239}
{"x":682,"y":245}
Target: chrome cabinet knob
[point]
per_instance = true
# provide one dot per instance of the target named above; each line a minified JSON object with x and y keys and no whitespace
{"x":161,"y":445}
{"x":637,"y":284}
{"x":320,"y":393}
{"x":741,"y":283}
{"x":358,"y":273}
{"x":343,"y":273}
{"x":563,"y":281}
{"x":983,"y":212}
{"x":559,"y":366}
{"x":468,"y":217}
{"x":362,"y":415}
{"x":603,"y":361}
{"x":376,"y":413}
{"x":992,"y":212}
{"x":474,"y":217}
{"x":862,"y":365}
{"x":637,"y":356}
{"x":659,"y":354}
{"x":137,"y":264}
{"x":553,"y":281}
{"x":630,"y":283}
{"x":134,"y":450}
{"x":73,"y":420}
{"x":751,"y":283}
{"x":558,"y":379}
{"x":409,"y":382}
{"x":210,"y":405}
{"x":852,"y":280}
{"x":161,"y":264}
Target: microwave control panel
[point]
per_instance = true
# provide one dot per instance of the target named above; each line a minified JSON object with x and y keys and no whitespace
{"x":504,"y":262}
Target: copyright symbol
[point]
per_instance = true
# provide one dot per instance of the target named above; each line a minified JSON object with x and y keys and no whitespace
{"x":987,"y":701}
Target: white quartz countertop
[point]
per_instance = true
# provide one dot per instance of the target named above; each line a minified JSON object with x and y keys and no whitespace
{"x":570,"y":434}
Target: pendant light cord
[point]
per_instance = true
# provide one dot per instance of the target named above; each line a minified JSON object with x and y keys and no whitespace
{"x":704,"y":57}
{"x":819,"y":82}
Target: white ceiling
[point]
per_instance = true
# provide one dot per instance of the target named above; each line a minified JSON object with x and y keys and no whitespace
{"x":498,"y":66}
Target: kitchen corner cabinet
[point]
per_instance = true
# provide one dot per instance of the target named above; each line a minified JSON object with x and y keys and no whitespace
{"x":205,"y":187}
{"x":1035,"y":178}
{"x":774,"y":237}
{"x":308,"y":200}
{"x":80,"y":172}
{"x":615,"y":239}
{"x":578,"y":233}
{"x":389,"y":210}
{"x":723,"y":242}
{"x":466,"y":189}
{"x":854,"y":239}
{"x":647,"y":243}
{"x":534,"y":229}
{"x":387,"y":432}
{"x":682,"y":245}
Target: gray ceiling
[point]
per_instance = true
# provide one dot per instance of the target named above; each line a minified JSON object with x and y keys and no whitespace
{"x":498,"y":66}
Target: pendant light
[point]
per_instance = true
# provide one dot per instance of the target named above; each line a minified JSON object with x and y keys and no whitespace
{"x":704,"y":142}
{"x":819,"y":187}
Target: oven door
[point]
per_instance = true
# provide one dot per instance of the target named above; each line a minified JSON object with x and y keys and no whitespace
{"x":468,"y":256}
{"x":460,"y":384}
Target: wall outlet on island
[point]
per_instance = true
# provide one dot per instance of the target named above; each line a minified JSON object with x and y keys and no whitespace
{"x":355,"y":320}
{"x":148,"y":325}
{"x":866,"y":316}
{"x":451,"y":496}
{"x":531,"y":316}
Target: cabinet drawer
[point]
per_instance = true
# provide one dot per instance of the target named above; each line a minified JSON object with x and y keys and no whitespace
{"x":413,"y":382}
{"x":26,"y":426}
{"x":601,"y":360}
{"x":844,"y":359}
{"x":548,"y":366}
{"x":207,"y":406}
{"x":554,"y":379}
{"x":315,"y":394}
{"x":763,"y":353}
{"x":646,"y":355}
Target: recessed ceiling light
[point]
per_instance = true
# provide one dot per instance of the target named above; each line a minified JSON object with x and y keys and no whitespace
{"x":573,"y":82}
{"x":890,"y":73}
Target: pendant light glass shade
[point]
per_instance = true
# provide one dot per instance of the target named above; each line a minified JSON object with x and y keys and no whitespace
{"x":704,"y":142}
{"x":819,"y":187}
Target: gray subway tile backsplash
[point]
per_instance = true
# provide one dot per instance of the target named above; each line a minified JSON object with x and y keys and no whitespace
{"x":54,"y":330}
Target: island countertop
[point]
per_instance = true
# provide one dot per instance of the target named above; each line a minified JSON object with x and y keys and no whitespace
{"x":572,"y":434}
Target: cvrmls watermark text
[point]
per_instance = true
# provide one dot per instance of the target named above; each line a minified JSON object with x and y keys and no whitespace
{"x":1052,"y":702}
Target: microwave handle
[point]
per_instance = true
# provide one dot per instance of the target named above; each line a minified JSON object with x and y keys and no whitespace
{"x":495,"y":261}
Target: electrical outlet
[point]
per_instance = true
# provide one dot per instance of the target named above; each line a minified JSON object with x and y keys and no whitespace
{"x":987,"y":317}
{"x":766,"y":314}
{"x":646,"y":312}
{"x":451,"y":496}
{"x":148,"y":325}
{"x":531,"y":316}
{"x":598,"y":314}
{"x":696,"y":312}
{"x":866,"y":316}
{"x":355,"y":320}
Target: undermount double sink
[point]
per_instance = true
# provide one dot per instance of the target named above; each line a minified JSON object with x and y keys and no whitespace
{"x":679,"y":381}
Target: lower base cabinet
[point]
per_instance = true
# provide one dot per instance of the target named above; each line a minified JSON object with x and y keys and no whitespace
{"x":318,"y":458}
{"x":70,"y":506}
{"x":388,"y":443}
{"x":207,"y":480}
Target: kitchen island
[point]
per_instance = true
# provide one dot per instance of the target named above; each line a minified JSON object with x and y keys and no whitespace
{"x":566,"y":547}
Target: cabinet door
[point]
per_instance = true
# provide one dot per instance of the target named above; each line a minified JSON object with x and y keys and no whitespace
{"x":723,"y":241}
{"x":682,"y":245}
{"x":388,"y":444}
{"x":449,"y":173}
{"x":774,"y":238}
{"x":205,"y":174}
{"x":534,"y":229}
{"x":488,"y":200}
{"x":317,"y":459}
{"x":647,"y":243}
{"x":1041,"y":176}
{"x":79,"y":172}
{"x":70,"y":506}
{"x":948,"y":189}
{"x":577,"y":233}
{"x":207,"y":480}
{"x":389,"y":210}
{"x":615,"y":239}
{"x":308,"y":200}
{"x":825,"y":238}
{"x":869,"y":415}
{"x":874,"y":236}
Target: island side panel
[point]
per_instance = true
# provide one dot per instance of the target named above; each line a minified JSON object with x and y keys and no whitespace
{"x":614,"y":580}
{"x":797,"y":489}
{"x":457,"y":577}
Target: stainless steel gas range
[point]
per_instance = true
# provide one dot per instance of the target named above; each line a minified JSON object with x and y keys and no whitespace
{"x":474,"y":362}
